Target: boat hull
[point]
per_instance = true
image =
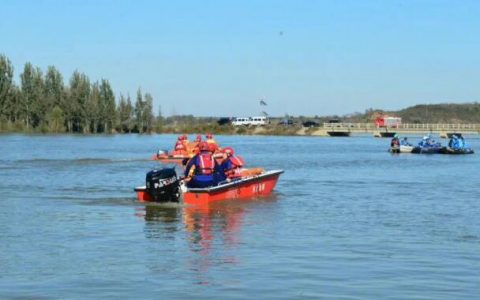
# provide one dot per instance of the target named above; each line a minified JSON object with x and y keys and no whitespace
{"x":260,"y":185}
{"x":426,"y":150}
{"x":447,"y":150}
{"x":387,"y":134}
{"x":401,"y":149}
{"x":338,"y":133}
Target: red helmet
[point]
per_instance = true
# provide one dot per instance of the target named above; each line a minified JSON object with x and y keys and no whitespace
{"x":180,"y":137}
{"x":212,"y":147}
{"x":198,"y":138}
{"x":228,"y":150}
{"x":209,"y":136}
{"x":203,"y":146}
{"x":185,"y":137}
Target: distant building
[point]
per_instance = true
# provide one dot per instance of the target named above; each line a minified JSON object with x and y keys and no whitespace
{"x":388,"y":122}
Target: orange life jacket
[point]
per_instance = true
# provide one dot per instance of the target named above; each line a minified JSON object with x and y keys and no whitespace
{"x":179,"y":145}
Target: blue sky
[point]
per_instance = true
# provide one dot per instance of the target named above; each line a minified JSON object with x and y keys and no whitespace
{"x":218,"y":58}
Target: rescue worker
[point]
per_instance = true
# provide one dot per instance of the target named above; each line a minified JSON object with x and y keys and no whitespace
{"x":185,"y":141}
{"x":232,"y":165}
{"x":200,"y":170}
{"x":456,"y":142}
{"x":405,"y":142}
{"x":451,"y":143}
{"x":213,"y":144}
{"x":193,"y":146}
{"x":427,"y":141}
{"x":395,"y":143}
{"x":179,"y":148}
{"x":461,"y":142}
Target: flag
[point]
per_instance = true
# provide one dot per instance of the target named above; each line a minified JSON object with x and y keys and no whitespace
{"x":263,"y":102}
{"x":265,"y":114}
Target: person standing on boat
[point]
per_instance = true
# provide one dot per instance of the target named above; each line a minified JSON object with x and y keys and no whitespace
{"x":395,"y":143}
{"x":200,"y":170}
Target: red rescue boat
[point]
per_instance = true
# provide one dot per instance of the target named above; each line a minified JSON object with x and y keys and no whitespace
{"x":166,"y":187}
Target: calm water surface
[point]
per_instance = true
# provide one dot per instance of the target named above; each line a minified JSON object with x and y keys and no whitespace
{"x":347,"y":221}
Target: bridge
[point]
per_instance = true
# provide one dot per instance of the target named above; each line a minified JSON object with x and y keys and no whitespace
{"x":444,"y":130}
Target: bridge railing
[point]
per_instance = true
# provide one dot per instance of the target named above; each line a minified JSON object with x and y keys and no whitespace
{"x":405,"y":126}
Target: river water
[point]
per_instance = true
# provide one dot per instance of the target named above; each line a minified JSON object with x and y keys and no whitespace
{"x":347,"y":220}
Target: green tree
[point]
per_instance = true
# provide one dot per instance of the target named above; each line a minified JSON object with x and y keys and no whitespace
{"x":56,"y":120}
{"x":92,"y":109}
{"x":78,"y":96}
{"x":160,"y":120}
{"x":125,"y":113}
{"x":107,"y":106}
{"x":147,"y":114}
{"x":32,"y":96}
{"x":6,"y":88}
{"x":139,"y":112}
{"x":54,"y":88}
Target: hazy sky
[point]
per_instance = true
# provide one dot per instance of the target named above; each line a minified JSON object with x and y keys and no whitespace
{"x":218,"y":58}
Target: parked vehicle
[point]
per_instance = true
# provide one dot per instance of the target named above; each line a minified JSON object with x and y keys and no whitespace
{"x":242,"y":121}
{"x":247,"y":121}
{"x":224,"y":121}
{"x":310,"y":124}
{"x":258,"y":121}
{"x":286,"y":122}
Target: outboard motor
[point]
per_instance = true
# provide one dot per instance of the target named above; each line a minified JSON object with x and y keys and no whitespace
{"x":163,"y":185}
{"x":162,"y":152}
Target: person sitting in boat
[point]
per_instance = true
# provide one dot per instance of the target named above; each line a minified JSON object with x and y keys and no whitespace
{"x":395,"y":143}
{"x":193,"y":146}
{"x":460,"y":143}
{"x":185,"y":141}
{"x":452,"y":141}
{"x":200,"y":170}
{"x":231,"y":165}
{"x":428,"y":142}
{"x":405,"y":142}
{"x":213,"y":144}
{"x":179,"y":149}
{"x":456,"y":143}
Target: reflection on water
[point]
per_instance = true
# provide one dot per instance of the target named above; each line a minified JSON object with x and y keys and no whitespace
{"x":212,"y":232}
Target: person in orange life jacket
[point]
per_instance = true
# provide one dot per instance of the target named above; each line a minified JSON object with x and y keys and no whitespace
{"x":185,"y":141}
{"x":201,"y":171}
{"x":232,"y":165}
{"x":213,"y":144}
{"x":193,"y":146}
{"x":179,"y":148}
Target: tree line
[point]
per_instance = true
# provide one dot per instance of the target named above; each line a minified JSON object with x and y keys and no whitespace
{"x":43,"y":102}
